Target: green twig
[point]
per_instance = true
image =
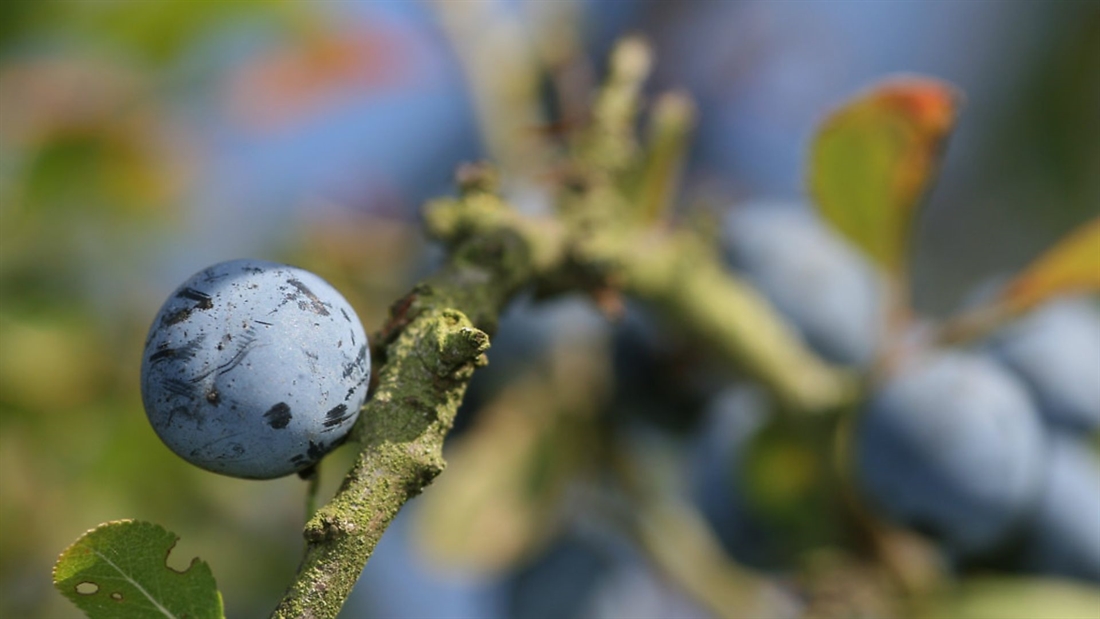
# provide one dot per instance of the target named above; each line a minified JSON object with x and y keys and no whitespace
{"x":682,"y":546}
{"x":429,"y":350}
{"x":669,"y":129}
{"x":313,"y":485}
{"x":687,"y":280}
{"x":609,"y":146}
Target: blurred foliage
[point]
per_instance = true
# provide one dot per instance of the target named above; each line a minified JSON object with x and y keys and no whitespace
{"x":530,"y":442}
{"x":1048,"y":137}
{"x":872,"y":162}
{"x":1069,"y":266}
{"x":151,"y":33}
{"x":96,"y":171}
{"x":1015,"y":598}
{"x":98,"y":168}
{"x":793,"y":486}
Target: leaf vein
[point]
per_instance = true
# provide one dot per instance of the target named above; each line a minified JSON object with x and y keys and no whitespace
{"x":135,"y":583}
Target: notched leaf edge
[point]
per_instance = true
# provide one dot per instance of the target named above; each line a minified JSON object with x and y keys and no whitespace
{"x":118,"y":596}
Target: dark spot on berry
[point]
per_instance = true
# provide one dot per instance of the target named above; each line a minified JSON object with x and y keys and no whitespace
{"x":176,"y":317}
{"x":278,"y":416}
{"x":202,"y":300}
{"x":360,"y":359}
{"x":185,"y":352}
{"x":245,"y":345}
{"x":210,"y":277}
{"x":315,"y":305}
{"x":175,"y":386}
{"x":182,"y":411}
{"x":315,"y":451}
{"x":336,"y":416}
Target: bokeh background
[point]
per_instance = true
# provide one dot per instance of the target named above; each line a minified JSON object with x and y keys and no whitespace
{"x":142,"y":141}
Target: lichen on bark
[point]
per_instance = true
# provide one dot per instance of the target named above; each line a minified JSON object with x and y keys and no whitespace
{"x":428,"y":350}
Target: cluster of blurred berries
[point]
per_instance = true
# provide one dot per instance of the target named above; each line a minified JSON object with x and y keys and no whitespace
{"x":988,"y":448}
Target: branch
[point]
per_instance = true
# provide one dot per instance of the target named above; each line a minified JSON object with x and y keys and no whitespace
{"x":430,"y":348}
{"x":428,"y":351}
{"x":683,"y":276}
{"x":688,"y":281}
{"x":436,"y":335}
{"x":681,"y":545}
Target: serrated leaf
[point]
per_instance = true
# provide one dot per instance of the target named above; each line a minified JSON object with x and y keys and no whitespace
{"x":1073,"y":265}
{"x":1016,"y":598}
{"x":120,"y":569}
{"x":872,"y":161}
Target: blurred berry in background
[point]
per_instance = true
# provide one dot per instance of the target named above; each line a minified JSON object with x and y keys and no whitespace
{"x":952,"y":446}
{"x":1063,"y":539}
{"x":1054,"y":350}
{"x":812,"y":276}
{"x":142,"y":141}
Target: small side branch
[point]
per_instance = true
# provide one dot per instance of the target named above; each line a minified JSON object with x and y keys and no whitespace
{"x":430,"y":349}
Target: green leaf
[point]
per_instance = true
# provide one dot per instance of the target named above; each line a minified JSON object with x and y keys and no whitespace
{"x":1072,"y":265}
{"x":788,"y":482}
{"x":872,"y":160}
{"x":158,"y":32}
{"x":1016,"y":598}
{"x":120,"y":569}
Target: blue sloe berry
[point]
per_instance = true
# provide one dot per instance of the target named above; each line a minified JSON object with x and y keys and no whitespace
{"x":254,"y":369}
{"x":812,"y":277}
{"x":1064,"y":537}
{"x":950,"y":444}
{"x":631,"y":588}
{"x":1055,"y":350}
{"x":718,"y":459}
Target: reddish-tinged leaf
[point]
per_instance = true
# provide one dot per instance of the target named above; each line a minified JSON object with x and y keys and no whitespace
{"x":286,"y":85}
{"x":872,"y":161}
{"x":1072,"y":265}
